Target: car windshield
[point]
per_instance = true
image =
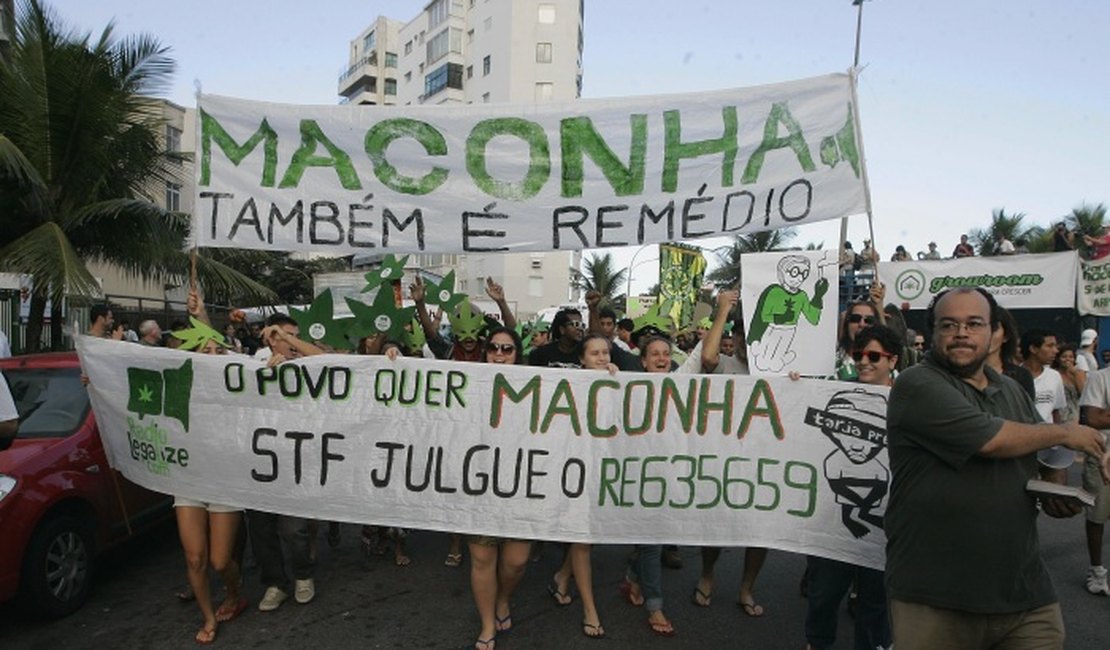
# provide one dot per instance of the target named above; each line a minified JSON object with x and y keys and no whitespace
{"x":52,"y":402}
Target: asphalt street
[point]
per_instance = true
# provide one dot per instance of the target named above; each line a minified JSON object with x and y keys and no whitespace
{"x":370,"y":603}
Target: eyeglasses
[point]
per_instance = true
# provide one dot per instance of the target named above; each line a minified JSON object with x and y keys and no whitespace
{"x":872,"y":355}
{"x":577,"y":324}
{"x":952,"y":327}
{"x":503,"y":348}
{"x":798,"y":272}
{"x":855,"y":318}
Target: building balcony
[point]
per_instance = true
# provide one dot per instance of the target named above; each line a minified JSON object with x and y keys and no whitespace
{"x":366,"y":67}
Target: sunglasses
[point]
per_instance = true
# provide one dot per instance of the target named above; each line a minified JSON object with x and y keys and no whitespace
{"x":872,"y":355}
{"x":867,"y":320}
{"x":577,"y":324}
{"x":503,"y":348}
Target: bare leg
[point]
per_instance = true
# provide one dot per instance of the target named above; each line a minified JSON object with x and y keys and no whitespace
{"x":483,"y":583}
{"x":709,"y":557}
{"x":512,"y":560}
{"x":583,"y":579}
{"x":753,"y":562}
{"x":223,"y":534}
{"x":192,"y":528}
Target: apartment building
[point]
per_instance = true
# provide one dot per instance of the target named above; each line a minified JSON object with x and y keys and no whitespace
{"x":469,"y":52}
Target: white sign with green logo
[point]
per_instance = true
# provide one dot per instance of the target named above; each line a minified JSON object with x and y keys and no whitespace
{"x":1093,"y":295}
{"x":1016,"y":281}
{"x":513,"y":451}
{"x":537,"y":177}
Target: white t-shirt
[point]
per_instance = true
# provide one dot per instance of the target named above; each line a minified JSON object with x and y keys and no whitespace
{"x":1049,"y":389}
{"x":1006,"y":247}
{"x":7,"y":404}
{"x":1097,"y":391}
{"x":1086,"y":361}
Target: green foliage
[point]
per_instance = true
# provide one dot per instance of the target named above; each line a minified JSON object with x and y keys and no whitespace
{"x":728,"y":272}
{"x":79,"y":151}
{"x":1086,"y":220}
{"x":1009,"y":226}
{"x":599,"y":275}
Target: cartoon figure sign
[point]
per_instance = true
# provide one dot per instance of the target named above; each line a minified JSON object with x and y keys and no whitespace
{"x":784,"y":295}
{"x":855,"y":421}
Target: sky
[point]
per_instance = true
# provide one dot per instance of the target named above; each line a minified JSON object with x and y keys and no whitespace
{"x":965,"y":105}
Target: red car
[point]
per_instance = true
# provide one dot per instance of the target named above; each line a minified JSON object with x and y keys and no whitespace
{"x":60,"y":502}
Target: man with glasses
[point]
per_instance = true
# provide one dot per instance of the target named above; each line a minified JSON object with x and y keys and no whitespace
{"x":964,"y":568}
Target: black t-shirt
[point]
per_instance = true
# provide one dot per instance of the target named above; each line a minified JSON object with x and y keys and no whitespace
{"x":550,"y":356}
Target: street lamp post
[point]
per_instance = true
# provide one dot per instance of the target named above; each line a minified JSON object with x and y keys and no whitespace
{"x":631,"y":266}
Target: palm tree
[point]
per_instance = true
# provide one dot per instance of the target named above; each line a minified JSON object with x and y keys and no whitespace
{"x":1002,"y":225}
{"x":79,"y":149}
{"x":599,"y":275}
{"x":728,"y":273}
{"x":1086,"y":220}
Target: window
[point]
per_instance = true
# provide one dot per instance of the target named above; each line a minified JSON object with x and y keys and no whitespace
{"x":173,"y":139}
{"x":441,"y":43}
{"x":391,"y":86}
{"x":368,"y":42}
{"x":544,"y":90}
{"x":489,"y":23}
{"x":543,"y":53}
{"x":437,"y":12}
{"x":469,"y":72}
{"x":546,"y":14}
{"x":173,"y":197}
{"x":485,"y":98}
{"x":485,"y":66}
{"x":408,"y":48}
{"x":391,"y":59}
{"x":448,"y":75}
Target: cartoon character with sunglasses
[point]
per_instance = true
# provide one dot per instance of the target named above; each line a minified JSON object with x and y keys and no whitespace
{"x":855,"y":421}
{"x":774,"y":322}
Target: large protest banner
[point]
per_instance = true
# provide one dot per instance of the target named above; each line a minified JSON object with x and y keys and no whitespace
{"x":515,"y":451}
{"x":554,"y":176}
{"x":1016,"y":281}
{"x":1093,"y":289}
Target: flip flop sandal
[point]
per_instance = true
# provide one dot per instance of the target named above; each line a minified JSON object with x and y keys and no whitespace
{"x":453,"y":560}
{"x":208,"y":638}
{"x":225,"y":614}
{"x":702,"y":599}
{"x":626,"y":592}
{"x":752,"y":609}
{"x":661,"y":628}
{"x":503,"y":625}
{"x":561,"y":599}
{"x":598,"y":631}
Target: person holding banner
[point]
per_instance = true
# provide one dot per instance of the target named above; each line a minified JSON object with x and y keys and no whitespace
{"x":963,"y":442}
{"x":268,"y":529}
{"x":496,"y":564}
{"x":643,"y":582}
{"x":593,"y":355}
{"x":712,"y":361}
{"x":860,"y":314}
{"x":876,"y":358}
{"x":208,"y":531}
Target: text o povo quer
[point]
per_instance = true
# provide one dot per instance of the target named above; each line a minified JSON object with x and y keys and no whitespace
{"x":497,"y":178}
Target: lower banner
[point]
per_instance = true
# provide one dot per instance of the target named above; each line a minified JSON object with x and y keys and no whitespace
{"x":513,"y":451}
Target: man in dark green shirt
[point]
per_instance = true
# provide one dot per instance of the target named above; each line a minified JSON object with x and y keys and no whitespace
{"x":963,"y":560}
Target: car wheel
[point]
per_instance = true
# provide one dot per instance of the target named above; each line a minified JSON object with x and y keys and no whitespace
{"x":57,"y":569}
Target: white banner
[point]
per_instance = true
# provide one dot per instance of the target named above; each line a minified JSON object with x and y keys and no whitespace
{"x":558,"y":176}
{"x":1093,"y":289}
{"x":1016,"y":281}
{"x":790,"y":310}
{"x":551,"y":454}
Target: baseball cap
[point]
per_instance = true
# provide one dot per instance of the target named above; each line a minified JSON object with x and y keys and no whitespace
{"x":1088,"y":337}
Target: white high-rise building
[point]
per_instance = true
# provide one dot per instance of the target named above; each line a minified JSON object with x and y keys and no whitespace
{"x":475,"y":51}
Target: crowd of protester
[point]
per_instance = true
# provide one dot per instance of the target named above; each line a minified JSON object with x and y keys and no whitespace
{"x":873,"y":346}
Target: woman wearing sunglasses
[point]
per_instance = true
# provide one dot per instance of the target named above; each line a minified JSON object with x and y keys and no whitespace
{"x":859,"y":315}
{"x":497,"y":564}
{"x":875,"y":355}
